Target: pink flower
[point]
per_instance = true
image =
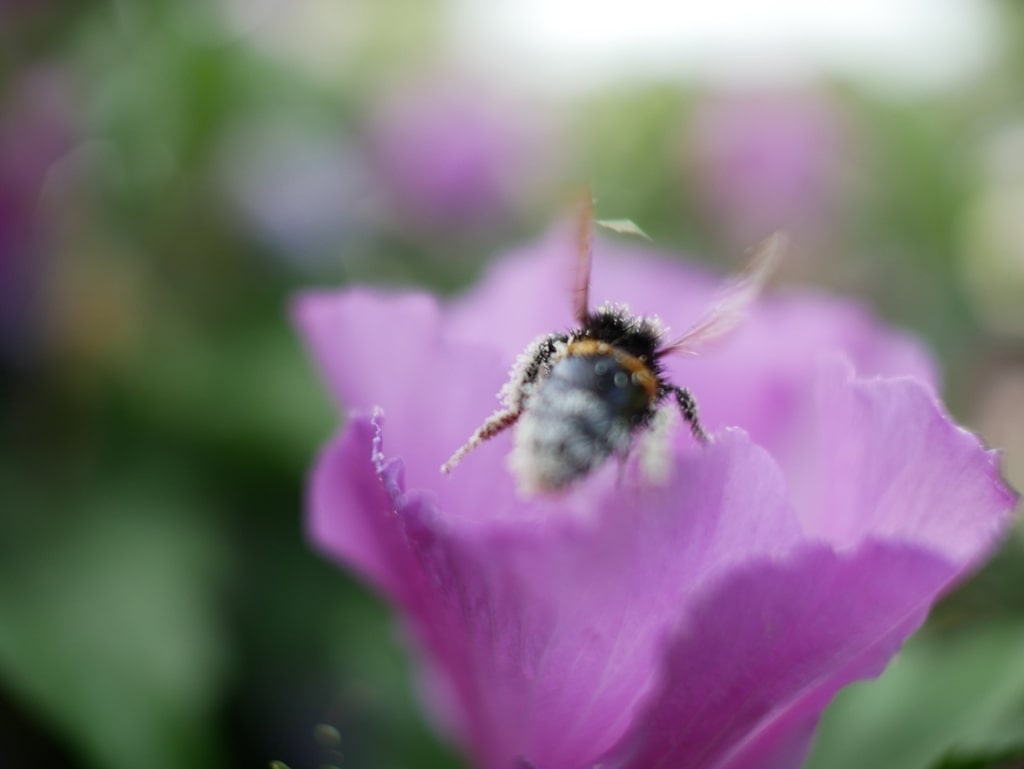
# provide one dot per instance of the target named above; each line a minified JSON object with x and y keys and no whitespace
{"x":450,"y":156}
{"x":35,"y":131}
{"x":769,"y":160}
{"x":703,"y":622}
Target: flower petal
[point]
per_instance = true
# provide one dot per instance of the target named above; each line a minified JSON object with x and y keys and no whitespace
{"x":887,"y":463}
{"x":388,"y":351}
{"x":546,"y":633}
{"x":351,"y":516}
{"x":755,"y":663}
{"x":702,"y":622}
{"x":763,"y":378}
{"x":359,"y":338}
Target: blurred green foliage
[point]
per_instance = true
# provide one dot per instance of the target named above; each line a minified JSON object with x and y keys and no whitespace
{"x":965,"y":691}
{"x":159,"y":603}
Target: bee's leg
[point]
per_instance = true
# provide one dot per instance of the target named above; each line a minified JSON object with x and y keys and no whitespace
{"x":494,"y":425}
{"x":621,"y":461}
{"x":688,"y":406}
{"x":654,"y":446}
{"x":531,"y":364}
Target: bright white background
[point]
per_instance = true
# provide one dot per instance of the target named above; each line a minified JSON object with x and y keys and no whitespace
{"x":576,"y":44}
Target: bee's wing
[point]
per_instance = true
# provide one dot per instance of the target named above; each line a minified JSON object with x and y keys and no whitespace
{"x":584,"y":252}
{"x":733,"y":301}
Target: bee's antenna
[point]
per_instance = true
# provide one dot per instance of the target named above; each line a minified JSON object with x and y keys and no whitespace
{"x":584,"y":252}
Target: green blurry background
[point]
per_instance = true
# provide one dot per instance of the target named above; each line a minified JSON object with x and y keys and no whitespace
{"x":172,"y":172}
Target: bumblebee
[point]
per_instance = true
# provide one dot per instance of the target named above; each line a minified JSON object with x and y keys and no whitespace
{"x":581,"y":397}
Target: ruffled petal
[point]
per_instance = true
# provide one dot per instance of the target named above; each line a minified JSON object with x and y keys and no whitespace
{"x":886,"y":462}
{"x":351,"y":516}
{"x":546,"y":634}
{"x":760,"y":656}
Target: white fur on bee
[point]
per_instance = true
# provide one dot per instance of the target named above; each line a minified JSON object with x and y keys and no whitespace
{"x":548,"y":453}
{"x":516,"y":391}
{"x":654,"y":453}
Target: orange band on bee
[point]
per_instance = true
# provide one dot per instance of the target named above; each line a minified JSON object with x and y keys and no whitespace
{"x":638,"y":370}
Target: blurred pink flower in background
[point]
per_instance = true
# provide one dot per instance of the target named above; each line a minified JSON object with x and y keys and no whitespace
{"x":703,"y":622}
{"x":765,"y":161}
{"x":15,"y":10}
{"x":35,"y":131}
{"x":448,"y":155}
{"x":300,"y":191}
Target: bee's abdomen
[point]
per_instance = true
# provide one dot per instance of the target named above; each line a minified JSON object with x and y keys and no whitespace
{"x":582,"y":413}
